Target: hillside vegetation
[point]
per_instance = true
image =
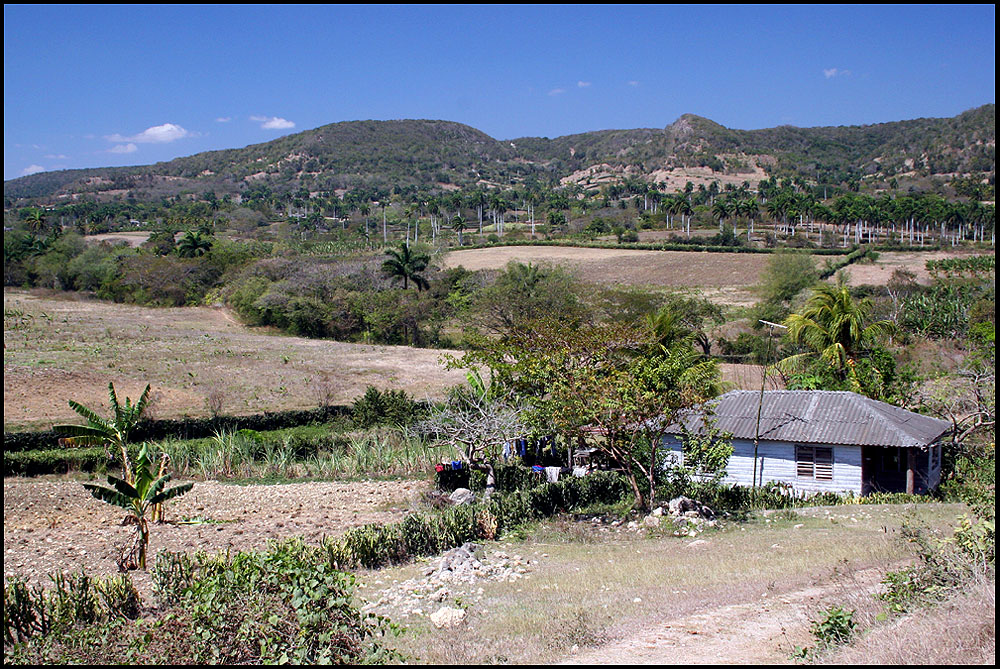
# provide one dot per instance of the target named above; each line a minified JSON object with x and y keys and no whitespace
{"x":435,"y":155}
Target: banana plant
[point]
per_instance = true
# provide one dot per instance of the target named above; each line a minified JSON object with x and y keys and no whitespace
{"x":111,"y":433}
{"x":145,"y":492}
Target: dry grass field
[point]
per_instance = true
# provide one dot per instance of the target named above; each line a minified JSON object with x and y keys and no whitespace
{"x":673,"y":269}
{"x":743,"y":594}
{"x":726,"y":278}
{"x":130,"y":238}
{"x":879,"y":272}
{"x":59,"y":347}
{"x":713,"y":274}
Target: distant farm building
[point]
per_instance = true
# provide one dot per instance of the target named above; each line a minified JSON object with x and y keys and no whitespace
{"x":823,"y":441}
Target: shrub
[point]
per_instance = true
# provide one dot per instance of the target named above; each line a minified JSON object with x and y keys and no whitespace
{"x":834,"y":626}
{"x":391,"y":407}
{"x":284,"y":605}
{"x":33,"y":611}
{"x":424,"y":534}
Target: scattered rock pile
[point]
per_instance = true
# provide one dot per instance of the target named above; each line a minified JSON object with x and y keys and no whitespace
{"x":462,"y":496}
{"x":440,"y":586}
{"x":687,"y":516}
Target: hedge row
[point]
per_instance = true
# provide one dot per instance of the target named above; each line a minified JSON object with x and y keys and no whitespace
{"x":190,"y":428}
{"x":697,"y":248}
{"x":852,"y":257}
{"x":426,"y":534}
{"x":54,"y":461}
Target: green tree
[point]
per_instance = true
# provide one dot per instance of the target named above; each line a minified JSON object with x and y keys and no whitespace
{"x":34,"y":218}
{"x":836,"y":329}
{"x":610,"y":386}
{"x":407,"y":264}
{"x":523,"y":293}
{"x":111,"y":433}
{"x":193,"y":245}
{"x":787,"y":274}
{"x":139,"y":492}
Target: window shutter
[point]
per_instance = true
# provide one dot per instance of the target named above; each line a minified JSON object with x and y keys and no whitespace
{"x":804,"y":461}
{"x":823,"y":463}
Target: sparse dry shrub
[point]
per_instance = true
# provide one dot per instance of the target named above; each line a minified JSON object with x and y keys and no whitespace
{"x":153,"y":405}
{"x":326,"y":390}
{"x":582,"y":629}
{"x":215,"y":400}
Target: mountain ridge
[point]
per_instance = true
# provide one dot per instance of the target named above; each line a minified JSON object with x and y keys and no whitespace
{"x":441,"y":155}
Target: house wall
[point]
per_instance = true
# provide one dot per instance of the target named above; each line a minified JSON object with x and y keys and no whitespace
{"x":935,"y":456}
{"x":776,"y":462}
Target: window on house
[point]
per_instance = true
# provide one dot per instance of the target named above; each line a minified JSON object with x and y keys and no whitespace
{"x":893,"y":460}
{"x":814,"y":462}
{"x":936,"y":456}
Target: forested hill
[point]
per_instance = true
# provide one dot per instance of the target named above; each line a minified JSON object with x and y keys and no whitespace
{"x":436,"y":155}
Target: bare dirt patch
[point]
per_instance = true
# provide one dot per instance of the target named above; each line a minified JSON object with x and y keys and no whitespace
{"x":67,"y":347}
{"x":758,"y":632}
{"x":54,"y":524}
{"x":131,"y":238}
{"x":748,"y":377}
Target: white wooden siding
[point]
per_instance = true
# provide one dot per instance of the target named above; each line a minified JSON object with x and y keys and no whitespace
{"x":776,"y":462}
{"x":934,"y":457}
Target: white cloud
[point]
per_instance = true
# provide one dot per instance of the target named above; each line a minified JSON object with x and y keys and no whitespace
{"x":224,"y":119}
{"x":273,"y":122}
{"x":57,"y":156}
{"x":583,"y":84}
{"x":557,"y":91}
{"x":633,"y":83}
{"x":124,"y":148}
{"x":32,"y":169}
{"x":835,"y":72}
{"x":158,"y":134}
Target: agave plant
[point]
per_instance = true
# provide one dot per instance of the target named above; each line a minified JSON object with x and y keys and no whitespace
{"x":145,"y":491}
{"x":111,"y":433}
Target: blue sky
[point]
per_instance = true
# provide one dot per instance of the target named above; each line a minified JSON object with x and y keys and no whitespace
{"x":91,"y":86}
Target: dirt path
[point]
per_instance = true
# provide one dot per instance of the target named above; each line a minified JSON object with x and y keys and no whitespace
{"x":761,"y":632}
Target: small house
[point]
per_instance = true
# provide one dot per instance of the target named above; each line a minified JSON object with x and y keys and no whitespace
{"x":822,"y":441}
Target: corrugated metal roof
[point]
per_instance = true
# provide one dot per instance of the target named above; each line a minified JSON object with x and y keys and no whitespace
{"x":820,"y":417}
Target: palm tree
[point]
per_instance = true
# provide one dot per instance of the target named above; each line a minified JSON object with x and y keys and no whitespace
{"x":748,"y":207}
{"x":139,"y":492}
{"x":406,"y":264}
{"x":193,"y":245}
{"x":836,"y":329}
{"x":458,"y":225}
{"x":721,"y":210}
{"x":35,"y":220}
{"x":668,"y":327}
{"x":112,"y":434}
{"x":479,"y":199}
{"x":683,"y":208}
